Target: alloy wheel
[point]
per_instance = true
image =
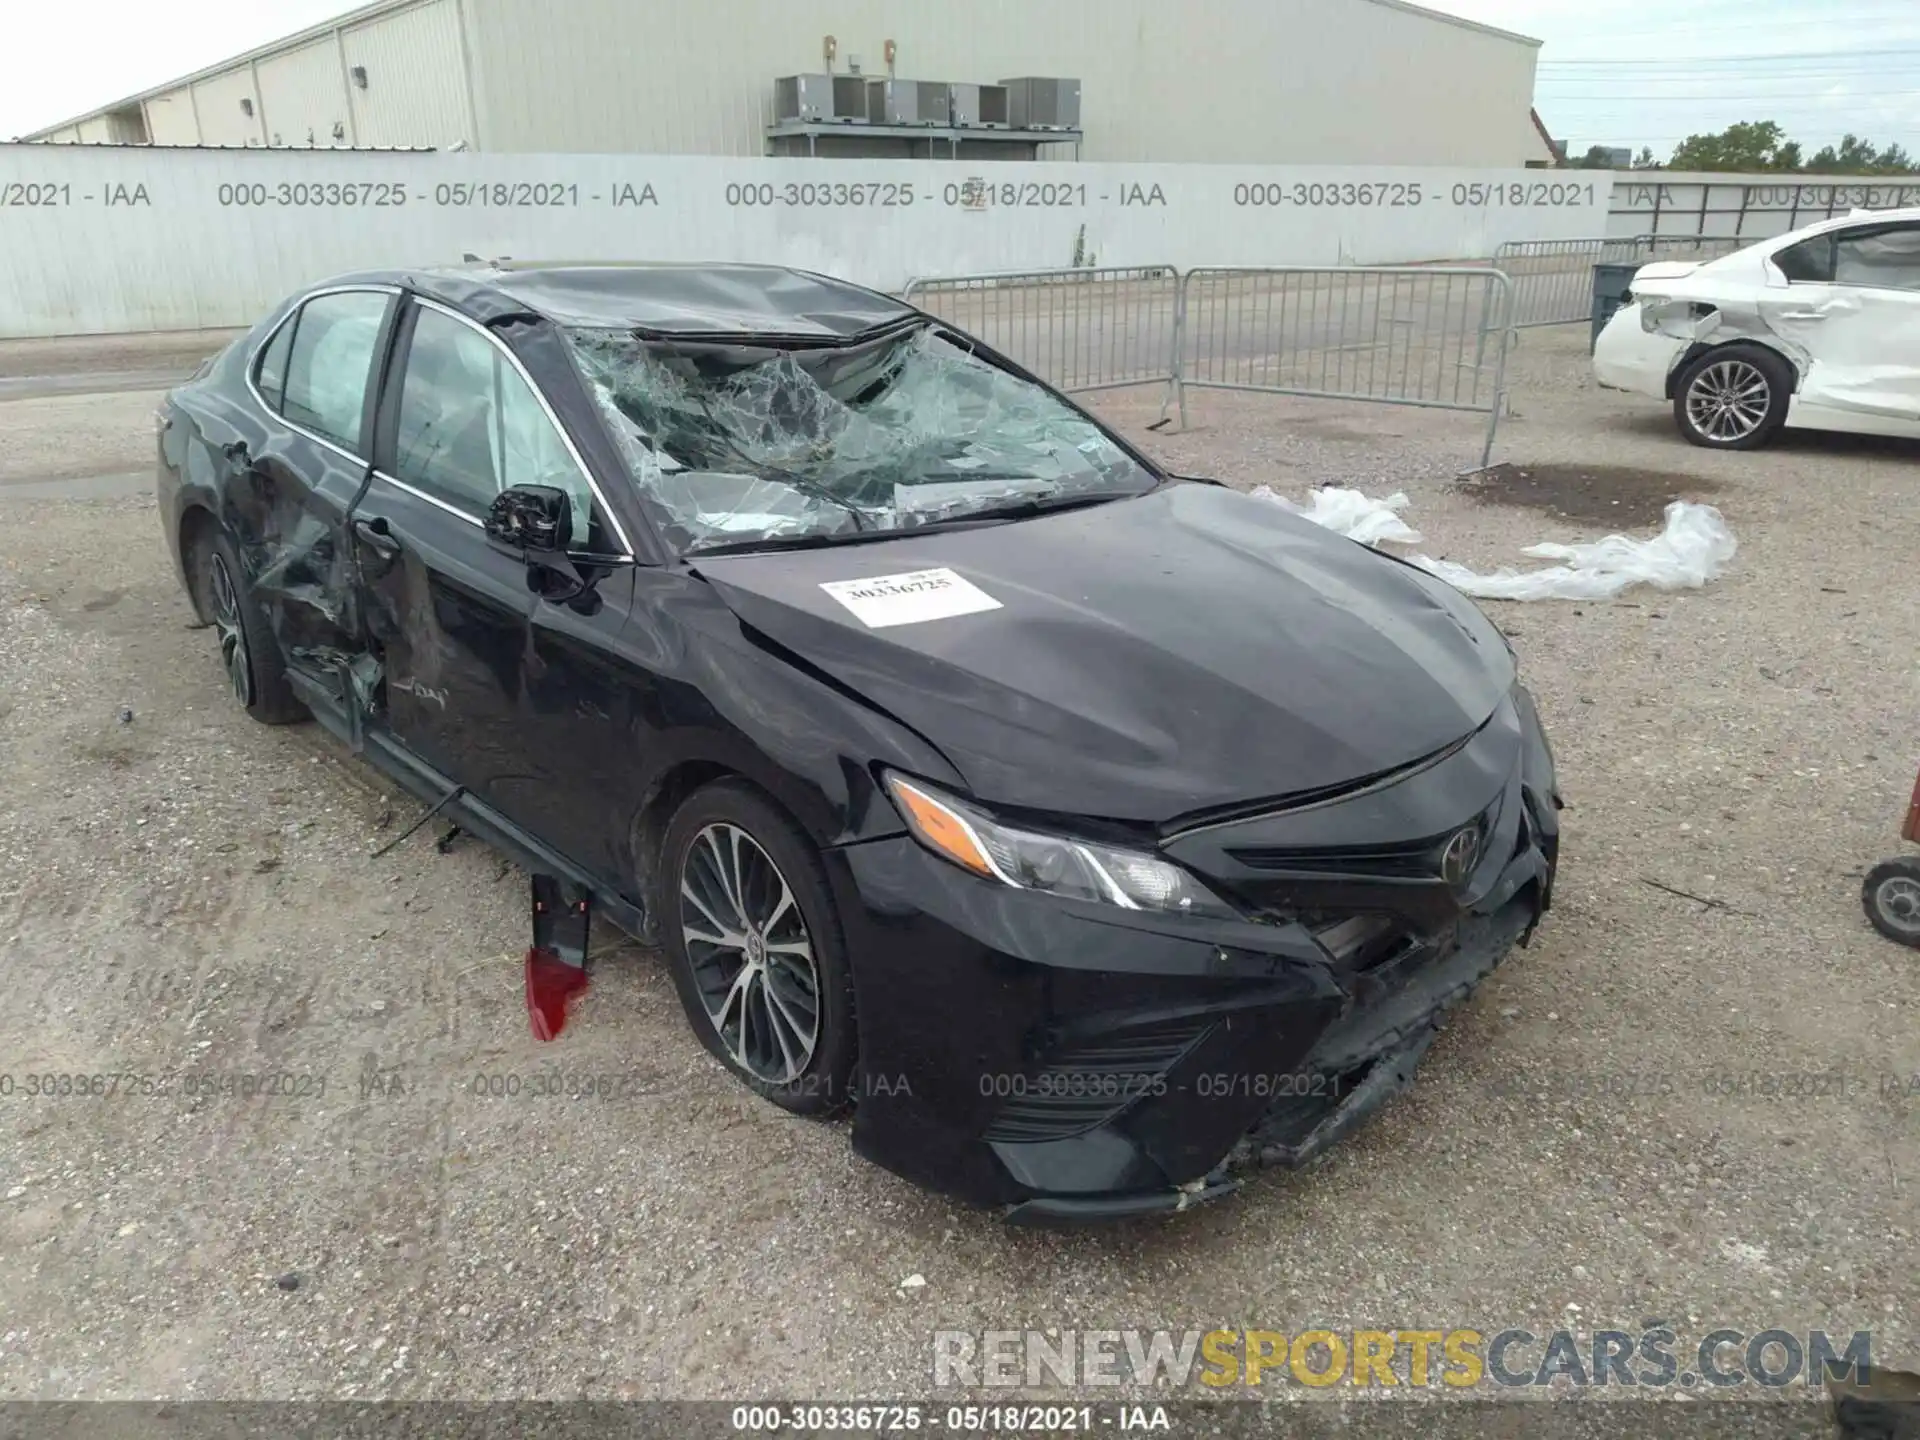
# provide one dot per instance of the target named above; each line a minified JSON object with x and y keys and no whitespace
{"x":1898,"y":900}
{"x":750,"y":953}
{"x":1728,"y":400}
{"x":233,"y":634}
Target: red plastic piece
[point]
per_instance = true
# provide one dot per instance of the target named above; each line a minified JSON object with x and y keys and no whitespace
{"x":552,"y":987}
{"x":1911,"y":829}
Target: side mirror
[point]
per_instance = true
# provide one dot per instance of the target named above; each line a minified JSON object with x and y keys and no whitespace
{"x":531,"y":518}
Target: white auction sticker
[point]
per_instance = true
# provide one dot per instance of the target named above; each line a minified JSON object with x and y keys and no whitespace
{"x":910,"y":598}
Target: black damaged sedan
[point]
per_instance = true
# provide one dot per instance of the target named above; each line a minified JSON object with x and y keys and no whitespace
{"x":1094,"y":833}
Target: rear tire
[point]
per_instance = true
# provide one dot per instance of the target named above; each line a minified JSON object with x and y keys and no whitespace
{"x":1733,"y":398}
{"x":256,"y":671}
{"x":750,"y":929}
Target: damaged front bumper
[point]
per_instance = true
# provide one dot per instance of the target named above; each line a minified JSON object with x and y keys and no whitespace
{"x":1077,"y":1063}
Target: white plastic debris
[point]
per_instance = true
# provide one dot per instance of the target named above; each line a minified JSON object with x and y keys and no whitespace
{"x":1354,"y":515}
{"x":1693,"y":549}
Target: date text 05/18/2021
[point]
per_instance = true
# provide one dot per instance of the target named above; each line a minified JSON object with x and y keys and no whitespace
{"x":974,"y":193}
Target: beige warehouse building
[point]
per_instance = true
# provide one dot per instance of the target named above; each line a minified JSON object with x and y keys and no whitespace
{"x":1247,"y":81}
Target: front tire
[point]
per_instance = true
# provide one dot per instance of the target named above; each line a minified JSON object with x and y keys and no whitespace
{"x":756,"y":949}
{"x":256,"y":671}
{"x":1733,"y":398}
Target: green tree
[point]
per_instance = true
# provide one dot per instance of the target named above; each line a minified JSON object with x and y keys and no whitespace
{"x":1596,"y":158}
{"x":1644,"y":160}
{"x":1752,"y":145}
{"x":1854,"y":156}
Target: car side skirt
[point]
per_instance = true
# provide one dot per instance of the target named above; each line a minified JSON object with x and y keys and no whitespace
{"x":472,"y":815}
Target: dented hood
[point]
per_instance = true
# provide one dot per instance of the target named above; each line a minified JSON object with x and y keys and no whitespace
{"x":1141,"y":659}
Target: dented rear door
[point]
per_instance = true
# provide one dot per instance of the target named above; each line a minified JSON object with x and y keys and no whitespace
{"x":1849,"y":315}
{"x":291,"y":482}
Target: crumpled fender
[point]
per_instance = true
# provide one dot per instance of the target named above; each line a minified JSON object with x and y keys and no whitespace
{"x":1687,"y":306}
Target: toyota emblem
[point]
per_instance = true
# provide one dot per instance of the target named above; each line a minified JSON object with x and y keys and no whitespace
{"x":1461,"y":855}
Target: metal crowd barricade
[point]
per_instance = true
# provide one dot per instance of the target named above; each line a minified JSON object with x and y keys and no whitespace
{"x":1083,"y":329}
{"x":1429,"y":335}
{"x":1553,"y":279}
{"x":1693,"y":247}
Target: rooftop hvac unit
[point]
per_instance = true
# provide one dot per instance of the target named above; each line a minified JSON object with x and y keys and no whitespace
{"x":803,"y":97}
{"x":963,"y":105}
{"x":849,"y":97}
{"x":935,"y":103}
{"x":905,"y":102}
{"x":976,"y":105}
{"x":1038,"y":103}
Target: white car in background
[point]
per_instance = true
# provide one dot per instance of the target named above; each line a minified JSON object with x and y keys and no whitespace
{"x":1818,"y":329}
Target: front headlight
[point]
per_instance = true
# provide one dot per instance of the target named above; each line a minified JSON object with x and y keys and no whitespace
{"x":1054,"y":864}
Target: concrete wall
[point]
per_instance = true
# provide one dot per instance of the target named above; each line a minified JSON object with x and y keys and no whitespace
{"x":138,"y":238}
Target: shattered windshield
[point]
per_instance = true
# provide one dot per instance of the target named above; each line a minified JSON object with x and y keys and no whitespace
{"x":741,"y":441}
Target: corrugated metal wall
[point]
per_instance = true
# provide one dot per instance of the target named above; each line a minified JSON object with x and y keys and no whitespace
{"x":223,"y":119}
{"x":170,"y":118}
{"x":303,"y":95}
{"x":1328,"y":81}
{"x":1222,"y":81}
{"x":416,"y":79}
{"x":416,"y":93}
{"x":138,"y":238}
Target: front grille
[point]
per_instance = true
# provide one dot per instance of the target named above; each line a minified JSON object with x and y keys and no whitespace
{"x":1411,"y":861}
{"x":1087,"y":1083}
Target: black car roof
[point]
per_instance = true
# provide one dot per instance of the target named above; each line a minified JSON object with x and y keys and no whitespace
{"x":700,"y":299}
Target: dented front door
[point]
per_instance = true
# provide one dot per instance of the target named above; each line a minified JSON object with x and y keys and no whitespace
{"x":447,"y":613}
{"x":498,"y":688}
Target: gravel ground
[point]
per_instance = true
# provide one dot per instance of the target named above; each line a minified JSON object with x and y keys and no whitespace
{"x":188,"y":891}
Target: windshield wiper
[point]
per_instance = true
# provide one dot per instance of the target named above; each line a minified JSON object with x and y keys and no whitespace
{"x":1013,"y":510}
{"x":1033,"y":505}
{"x":812,"y":540}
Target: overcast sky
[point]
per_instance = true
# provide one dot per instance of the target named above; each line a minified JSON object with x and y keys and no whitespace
{"x":1619,"y":72}
{"x":1652,"y":72}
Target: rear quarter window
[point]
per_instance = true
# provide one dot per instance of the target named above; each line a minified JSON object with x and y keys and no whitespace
{"x":271,"y":377}
{"x":1810,"y":262}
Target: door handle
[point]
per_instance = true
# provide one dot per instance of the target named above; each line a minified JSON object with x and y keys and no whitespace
{"x":374,"y":533}
{"x":1803,"y":314}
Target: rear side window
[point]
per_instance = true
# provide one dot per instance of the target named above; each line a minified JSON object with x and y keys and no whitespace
{"x":272,"y":376}
{"x":325,"y":388}
{"x":1887,"y":258}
